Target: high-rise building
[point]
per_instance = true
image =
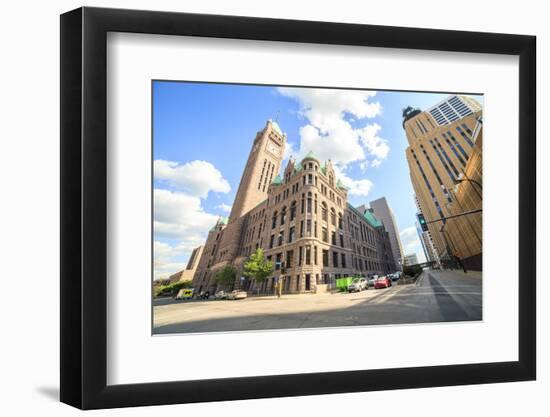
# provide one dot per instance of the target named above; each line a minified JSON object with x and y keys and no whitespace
{"x":410,"y":259}
{"x":383,"y":211}
{"x":301,"y":219}
{"x":427,"y":245}
{"x":444,"y":158}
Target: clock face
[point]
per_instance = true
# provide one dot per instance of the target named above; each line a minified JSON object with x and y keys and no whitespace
{"x":273,"y":148}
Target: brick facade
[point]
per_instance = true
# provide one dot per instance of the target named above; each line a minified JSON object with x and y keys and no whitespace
{"x":301,"y":219}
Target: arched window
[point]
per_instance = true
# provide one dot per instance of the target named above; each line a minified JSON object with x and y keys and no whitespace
{"x":293,"y":210}
{"x":274,"y":220}
{"x":283,"y":215}
{"x":324,"y":212}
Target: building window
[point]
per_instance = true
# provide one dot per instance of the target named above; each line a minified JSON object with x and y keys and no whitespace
{"x":271,"y":241}
{"x":315,"y":255}
{"x":315,"y":229}
{"x":325,"y":257}
{"x":341,"y":240}
{"x":281,"y":238}
{"x":274,"y":220}
{"x":467,"y":129}
{"x":343,"y":258}
{"x":333,"y":217}
{"x":308,"y":255}
{"x":333,"y":237}
{"x":308,"y":228}
{"x":283,"y":215}
{"x":301,"y":228}
{"x":309,"y":202}
{"x":466,"y":138}
{"x":289,"y":258}
{"x":300,"y":256}
{"x":278,"y":261}
{"x":293,"y":211}
{"x":325,"y":235}
{"x":291,"y":234}
{"x":335,"y":259}
{"x":324,"y":211}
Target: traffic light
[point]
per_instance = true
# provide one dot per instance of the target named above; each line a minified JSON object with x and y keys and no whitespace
{"x":422,"y":221}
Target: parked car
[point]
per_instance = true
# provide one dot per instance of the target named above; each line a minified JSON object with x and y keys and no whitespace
{"x":237,"y":295}
{"x":221,"y":295}
{"x":395,"y":276}
{"x":358,"y":284}
{"x":382,"y":282}
{"x":185,"y":294}
{"x":372,"y":279}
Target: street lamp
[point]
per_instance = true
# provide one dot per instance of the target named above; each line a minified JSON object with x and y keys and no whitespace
{"x":462,"y":177}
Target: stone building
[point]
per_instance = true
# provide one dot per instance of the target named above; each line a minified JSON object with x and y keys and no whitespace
{"x":302,"y":220}
{"x":188,"y":273}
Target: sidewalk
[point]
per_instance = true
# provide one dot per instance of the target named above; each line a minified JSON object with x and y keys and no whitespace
{"x":470,"y":274}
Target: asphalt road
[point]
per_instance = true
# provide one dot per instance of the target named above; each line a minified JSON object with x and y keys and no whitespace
{"x":438,"y":296}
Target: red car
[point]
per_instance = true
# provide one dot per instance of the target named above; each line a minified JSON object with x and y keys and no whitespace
{"x":382,"y":282}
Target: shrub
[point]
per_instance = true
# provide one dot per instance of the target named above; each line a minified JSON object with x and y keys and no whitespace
{"x":412,"y":270}
{"x":171,"y":289}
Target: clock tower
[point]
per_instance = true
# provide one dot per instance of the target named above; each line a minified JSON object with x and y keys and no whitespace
{"x":262,"y":166}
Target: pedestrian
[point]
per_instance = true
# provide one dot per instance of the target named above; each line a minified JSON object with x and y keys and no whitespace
{"x":459,"y":261}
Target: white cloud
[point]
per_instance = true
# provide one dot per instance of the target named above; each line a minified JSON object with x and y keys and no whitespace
{"x":375,"y":163}
{"x":360,"y":187}
{"x":224,"y":207}
{"x":289,"y":150}
{"x":328,"y":134}
{"x":376,"y":146}
{"x":411,"y":242}
{"x":196,"y":178}
{"x":170,"y":259}
{"x":328,"y":131}
{"x":179,"y":215}
{"x":340,"y":144}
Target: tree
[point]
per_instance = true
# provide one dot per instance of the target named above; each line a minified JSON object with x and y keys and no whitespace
{"x":258,"y":267}
{"x":226,"y":277}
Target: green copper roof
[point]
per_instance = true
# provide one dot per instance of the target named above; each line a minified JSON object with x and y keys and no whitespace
{"x":221,"y":220}
{"x":340,"y":185}
{"x":297,"y":167}
{"x":369,"y":217}
{"x":310,"y":156}
{"x":373,"y":221}
{"x":324,"y":168}
{"x":277,"y":181}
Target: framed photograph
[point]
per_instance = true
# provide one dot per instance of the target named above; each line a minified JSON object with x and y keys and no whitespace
{"x":258,"y":208}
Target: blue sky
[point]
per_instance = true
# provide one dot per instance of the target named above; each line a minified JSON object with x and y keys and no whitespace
{"x":202,"y":136}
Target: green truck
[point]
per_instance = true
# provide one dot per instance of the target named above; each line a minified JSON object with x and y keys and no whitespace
{"x":342,"y":283}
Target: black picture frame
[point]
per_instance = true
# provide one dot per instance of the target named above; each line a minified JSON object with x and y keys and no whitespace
{"x":84,"y":207}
